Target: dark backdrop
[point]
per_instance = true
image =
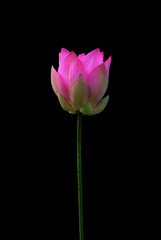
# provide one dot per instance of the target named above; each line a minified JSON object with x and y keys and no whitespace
{"x":41,"y":170}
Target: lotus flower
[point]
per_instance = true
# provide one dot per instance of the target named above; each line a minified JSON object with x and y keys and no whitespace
{"x":81,"y":81}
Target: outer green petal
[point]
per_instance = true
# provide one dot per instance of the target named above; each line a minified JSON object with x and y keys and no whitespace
{"x":79,"y":92}
{"x":87,"y":109}
{"x":65,"y":105}
{"x":99,"y":107}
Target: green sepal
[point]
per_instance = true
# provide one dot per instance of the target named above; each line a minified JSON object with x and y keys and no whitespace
{"x":99,"y":107}
{"x":87,"y":109}
{"x":72,"y":112}
{"x":65,"y":105}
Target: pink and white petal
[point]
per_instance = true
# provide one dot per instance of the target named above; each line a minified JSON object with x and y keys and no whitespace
{"x":58,"y":84}
{"x":98,"y":82}
{"x":64,"y":52}
{"x":71,"y":68}
{"x":107,"y":65}
{"x":92,"y":59}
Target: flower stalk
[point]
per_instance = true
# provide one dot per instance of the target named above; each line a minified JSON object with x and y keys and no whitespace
{"x":79,"y":176}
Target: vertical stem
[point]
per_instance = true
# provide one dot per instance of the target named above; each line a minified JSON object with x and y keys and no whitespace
{"x":79,"y":176}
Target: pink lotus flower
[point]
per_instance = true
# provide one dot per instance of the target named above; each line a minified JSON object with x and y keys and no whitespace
{"x":81,"y":82}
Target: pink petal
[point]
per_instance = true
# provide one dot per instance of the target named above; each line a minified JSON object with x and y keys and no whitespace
{"x":58,"y":84}
{"x":71,"y":68}
{"x":64,"y":52}
{"x":92,"y":59}
{"x":107,"y":65}
{"x":98,"y":82}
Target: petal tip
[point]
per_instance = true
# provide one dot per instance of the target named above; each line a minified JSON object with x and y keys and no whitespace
{"x":73,"y":53}
{"x":109,"y":60}
{"x":53,"y":69}
{"x":107,"y":64}
{"x":63,"y":49}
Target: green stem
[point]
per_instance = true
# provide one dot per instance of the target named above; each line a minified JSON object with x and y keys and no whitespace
{"x":79,"y":176}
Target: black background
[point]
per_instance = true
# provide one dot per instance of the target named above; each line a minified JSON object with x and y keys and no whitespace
{"x":41,"y":171}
